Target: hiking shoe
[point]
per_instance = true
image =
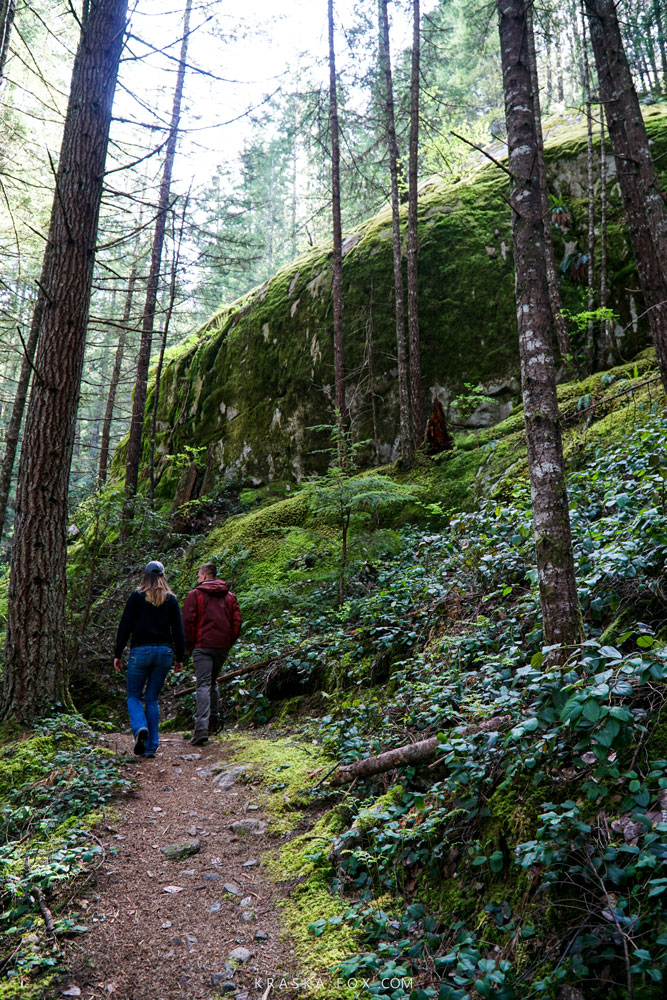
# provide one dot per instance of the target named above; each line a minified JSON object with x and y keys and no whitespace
{"x":139,"y":741}
{"x":199,"y":738}
{"x":149,"y":753}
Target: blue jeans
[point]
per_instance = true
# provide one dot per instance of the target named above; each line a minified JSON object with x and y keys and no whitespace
{"x":147,"y":668}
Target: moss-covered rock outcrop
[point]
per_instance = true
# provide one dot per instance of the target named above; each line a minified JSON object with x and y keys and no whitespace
{"x":248,"y":387}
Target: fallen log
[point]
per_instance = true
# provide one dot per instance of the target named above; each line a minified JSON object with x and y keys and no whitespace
{"x":411,"y":753}
{"x":179,"y":692}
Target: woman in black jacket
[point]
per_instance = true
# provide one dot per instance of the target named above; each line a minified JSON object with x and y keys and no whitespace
{"x":152,"y":621}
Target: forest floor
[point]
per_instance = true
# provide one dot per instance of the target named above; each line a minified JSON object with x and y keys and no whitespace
{"x":162,"y":929}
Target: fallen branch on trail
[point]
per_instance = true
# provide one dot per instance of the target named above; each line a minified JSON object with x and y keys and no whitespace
{"x":180,"y":692}
{"x":412,"y":753}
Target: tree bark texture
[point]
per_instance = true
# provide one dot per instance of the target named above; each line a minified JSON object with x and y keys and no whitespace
{"x":643,"y":201}
{"x":134,"y":445}
{"x":105,"y":439}
{"x":590,"y":185}
{"x":35,"y":675}
{"x":551,"y":522}
{"x":390,"y":126}
{"x":16,"y":418}
{"x":337,"y":261}
{"x":555,"y":301}
{"x":413,"y":236}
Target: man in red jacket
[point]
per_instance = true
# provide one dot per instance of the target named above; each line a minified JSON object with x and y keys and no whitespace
{"x":212,"y":622}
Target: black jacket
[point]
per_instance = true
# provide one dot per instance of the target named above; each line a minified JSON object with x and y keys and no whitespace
{"x":147,"y":625}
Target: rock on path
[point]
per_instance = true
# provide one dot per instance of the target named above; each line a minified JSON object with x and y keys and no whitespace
{"x":163,"y":924}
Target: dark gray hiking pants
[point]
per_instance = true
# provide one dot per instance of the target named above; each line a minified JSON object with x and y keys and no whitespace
{"x":208,"y":664}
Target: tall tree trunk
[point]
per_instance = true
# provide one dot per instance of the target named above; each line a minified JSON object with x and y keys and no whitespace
{"x":643,"y":200}
{"x":18,"y":407}
{"x":105,"y":438}
{"x":590,"y":184}
{"x":7,"y":10}
{"x":407,"y":447}
{"x":35,"y":673}
{"x":413,"y":238}
{"x":662,"y":41}
{"x":163,"y":344}
{"x":608,"y":341}
{"x":555,"y":301}
{"x":337,"y":260}
{"x":143,"y":361}
{"x":551,"y":522}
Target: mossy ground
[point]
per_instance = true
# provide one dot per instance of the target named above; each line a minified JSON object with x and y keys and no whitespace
{"x":278,"y":554}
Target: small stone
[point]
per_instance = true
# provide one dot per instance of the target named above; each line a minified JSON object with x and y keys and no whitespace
{"x":241,"y":955}
{"x":232,"y":888}
{"x":244,"y":826}
{"x":192,"y":831}
{"x":246,"y":902}
{"x":176,"y":852}
{"x":177,"y":941}
{"x":249,"y":863}
{"x":215,"y":907}
{"x":190,"y":756}
{"x":221,"y":980}
{"x":210,"y":877}
{"x":252,"y":808}
{"x":261,"y":936}
{"x":248,"y":916}
{"x":166,"y":924}
{"x":230,"y":776}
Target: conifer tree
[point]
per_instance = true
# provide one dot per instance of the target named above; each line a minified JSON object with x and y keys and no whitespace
{"x":34,"y":674}
{"x":551,"y":522}
{"x":134,"y":445}
{"x":643,"y":201}
{"x":406,"y":444}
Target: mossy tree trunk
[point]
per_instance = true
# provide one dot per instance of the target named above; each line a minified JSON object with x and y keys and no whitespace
{"x":551,"y":522}
{"x":560,"y":326}
{"x":643,"y":200}
{"x":405,"y":423}
{"x":413,"y":238}
{"x":337,"y":262}
{"x":34,"y":673}
{"x":143,"y":361}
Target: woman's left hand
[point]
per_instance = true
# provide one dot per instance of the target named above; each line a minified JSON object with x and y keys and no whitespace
{"x":117,"y":665}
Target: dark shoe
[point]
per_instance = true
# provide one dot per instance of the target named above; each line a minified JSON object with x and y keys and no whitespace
{"x":149,"y":753}
{"x":139,"y":742}
{"x":199,"y":738}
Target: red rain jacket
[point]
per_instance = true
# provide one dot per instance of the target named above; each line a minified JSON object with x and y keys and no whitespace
{"x":211,"y":617}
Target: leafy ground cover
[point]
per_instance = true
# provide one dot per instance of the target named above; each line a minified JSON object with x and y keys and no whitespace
{"x":53,"y":786}
{"x":523,"y":859}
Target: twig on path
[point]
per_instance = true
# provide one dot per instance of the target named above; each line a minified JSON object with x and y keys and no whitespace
{"x":265,"y":995}
{"x":45,"y":911}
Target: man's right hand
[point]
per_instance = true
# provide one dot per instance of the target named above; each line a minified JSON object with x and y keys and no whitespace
{"x":117,"y":664}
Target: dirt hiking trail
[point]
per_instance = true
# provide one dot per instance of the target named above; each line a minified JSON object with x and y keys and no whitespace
{"x":196,"y":928}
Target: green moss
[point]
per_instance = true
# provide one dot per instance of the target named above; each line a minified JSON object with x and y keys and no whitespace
{"x":250,"y":385}
{"x":22,"y":987}
{"x":29,"y":760}
{"x":286,"y":768}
